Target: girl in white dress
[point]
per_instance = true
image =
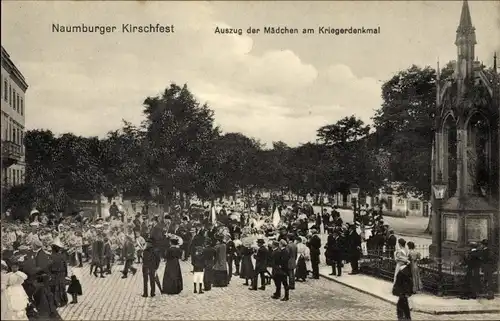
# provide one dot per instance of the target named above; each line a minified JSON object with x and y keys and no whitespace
{"x":17,"y":300}
{"x":401,"y":256}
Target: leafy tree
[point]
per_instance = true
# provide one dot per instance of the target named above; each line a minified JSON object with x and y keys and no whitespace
{"x":180,"y":133}
{"x":404,"y":126}
{"x":346,"y":130}
{"x":126,"y":164}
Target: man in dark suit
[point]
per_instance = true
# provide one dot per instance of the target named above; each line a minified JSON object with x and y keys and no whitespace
{"x":314,"y":247}
{"x":292,"y":261}
{"x":260,"y":266}
{"x":280,"y":269}
{"x":230,"y":255}
{"x":150,"y":264}
{"x":156,"y":234}
{"x":353,"y":248}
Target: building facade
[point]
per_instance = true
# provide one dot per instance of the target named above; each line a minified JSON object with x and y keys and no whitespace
{"x":13,"y":102}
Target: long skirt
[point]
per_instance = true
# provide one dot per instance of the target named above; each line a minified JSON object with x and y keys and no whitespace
{"x":220,"y":279}
{"x":301,"y":271}
{"x":208,"y":278}
{"x":58,"y":289}
{"x":246,"y":268}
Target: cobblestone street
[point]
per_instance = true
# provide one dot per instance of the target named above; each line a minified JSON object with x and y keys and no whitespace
{"x":114,"y":298}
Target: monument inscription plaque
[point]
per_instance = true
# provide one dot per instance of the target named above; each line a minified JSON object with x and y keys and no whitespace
{"x":450,"y":228}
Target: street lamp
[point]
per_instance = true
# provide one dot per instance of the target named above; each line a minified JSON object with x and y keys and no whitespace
{"x":354,"y":192}
{"x":439,"y":187}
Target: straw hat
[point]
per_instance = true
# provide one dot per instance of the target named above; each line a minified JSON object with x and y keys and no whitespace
{"x":57,"y":242}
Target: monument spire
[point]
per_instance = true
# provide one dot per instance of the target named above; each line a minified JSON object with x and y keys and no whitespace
{"x":465,"y":18}
{"x":465,"y":42}
{"x":495,"y":63}
{"x":438,"y":85}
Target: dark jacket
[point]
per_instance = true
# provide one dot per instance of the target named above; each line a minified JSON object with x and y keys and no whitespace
{"x":157,"y":235}
{"x":315,"y":245}
{"x":292,"y":252}
{"x":334,"y":248}
{"x":261,"y":259}
{"x":391,"y":242}
{"x":209,"y":254}
{"x":280,"y":262}
{"x":404,"y":283}
{"x":198,"y":260}
{"x":150,"y":258}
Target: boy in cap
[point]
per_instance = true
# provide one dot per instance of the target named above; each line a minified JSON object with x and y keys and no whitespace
{"x":129,"y":256}
{"x":198,"y":262}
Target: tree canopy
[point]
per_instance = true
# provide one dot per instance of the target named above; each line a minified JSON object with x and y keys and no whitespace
{"x":178,"y":150}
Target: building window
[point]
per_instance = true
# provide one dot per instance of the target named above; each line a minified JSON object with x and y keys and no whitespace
{"x":22,"y":105}
{"x":415,"y":206}
{"x":10,"y":95}
{"x":5,"y":93}
{"x":14,"y":99}
{"x":17,"y":103}
{"x":13,"y":134}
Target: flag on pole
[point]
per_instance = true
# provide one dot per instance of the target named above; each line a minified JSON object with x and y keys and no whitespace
{"x":276,"y":217}
{"x":214,"y":218}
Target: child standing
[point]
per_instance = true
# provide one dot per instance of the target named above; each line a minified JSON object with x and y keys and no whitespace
{"x":74,"y":289}
{"x":198,"y":269}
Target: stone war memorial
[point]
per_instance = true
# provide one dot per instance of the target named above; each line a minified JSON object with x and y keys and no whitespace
{"x":466,"y":151}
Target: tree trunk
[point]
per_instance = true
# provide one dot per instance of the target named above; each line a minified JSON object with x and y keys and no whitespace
{"x":181,"y":200}
{"x":99,"y":207}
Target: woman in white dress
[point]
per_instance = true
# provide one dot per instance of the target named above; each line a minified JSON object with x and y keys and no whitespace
{"x":401,"y":256}
{"x":5,"y":305}
{"x":16,"y":298}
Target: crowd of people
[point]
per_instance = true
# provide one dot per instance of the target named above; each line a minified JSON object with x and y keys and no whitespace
{"x":222,"y":242}
{"x":39,"y":255}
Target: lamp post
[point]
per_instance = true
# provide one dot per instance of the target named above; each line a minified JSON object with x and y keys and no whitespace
{"x":439,"y":189}
{"x":354,"y":194}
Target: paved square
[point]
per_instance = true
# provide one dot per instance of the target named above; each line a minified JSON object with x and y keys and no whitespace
{"x":113,"y":298}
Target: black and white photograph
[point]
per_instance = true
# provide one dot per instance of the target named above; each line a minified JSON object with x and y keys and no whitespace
{"x":250,"y":160}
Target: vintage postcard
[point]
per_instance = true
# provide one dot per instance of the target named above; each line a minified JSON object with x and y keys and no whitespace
{"x":250,"y":160}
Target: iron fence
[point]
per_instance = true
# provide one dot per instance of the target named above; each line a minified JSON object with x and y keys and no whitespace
{"x":447,"y":278}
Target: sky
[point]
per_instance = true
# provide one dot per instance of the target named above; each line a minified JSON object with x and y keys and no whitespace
{"x":269,"y":87}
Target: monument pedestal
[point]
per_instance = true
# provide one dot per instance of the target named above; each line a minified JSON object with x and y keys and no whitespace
{"x":471,"y":219}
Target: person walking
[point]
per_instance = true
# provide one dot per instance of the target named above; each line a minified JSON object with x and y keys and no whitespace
{"x":129,"y":256}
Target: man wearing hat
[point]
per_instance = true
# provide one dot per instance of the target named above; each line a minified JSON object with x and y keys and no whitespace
{"x":150,"y":264}
{"x":280,"y":269}
{"x":260,"y":265}
{"x":33,"y":235}
{"x":315,"y":246}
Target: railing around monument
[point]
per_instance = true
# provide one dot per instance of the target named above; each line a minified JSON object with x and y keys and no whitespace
{"x":450,"y":282}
